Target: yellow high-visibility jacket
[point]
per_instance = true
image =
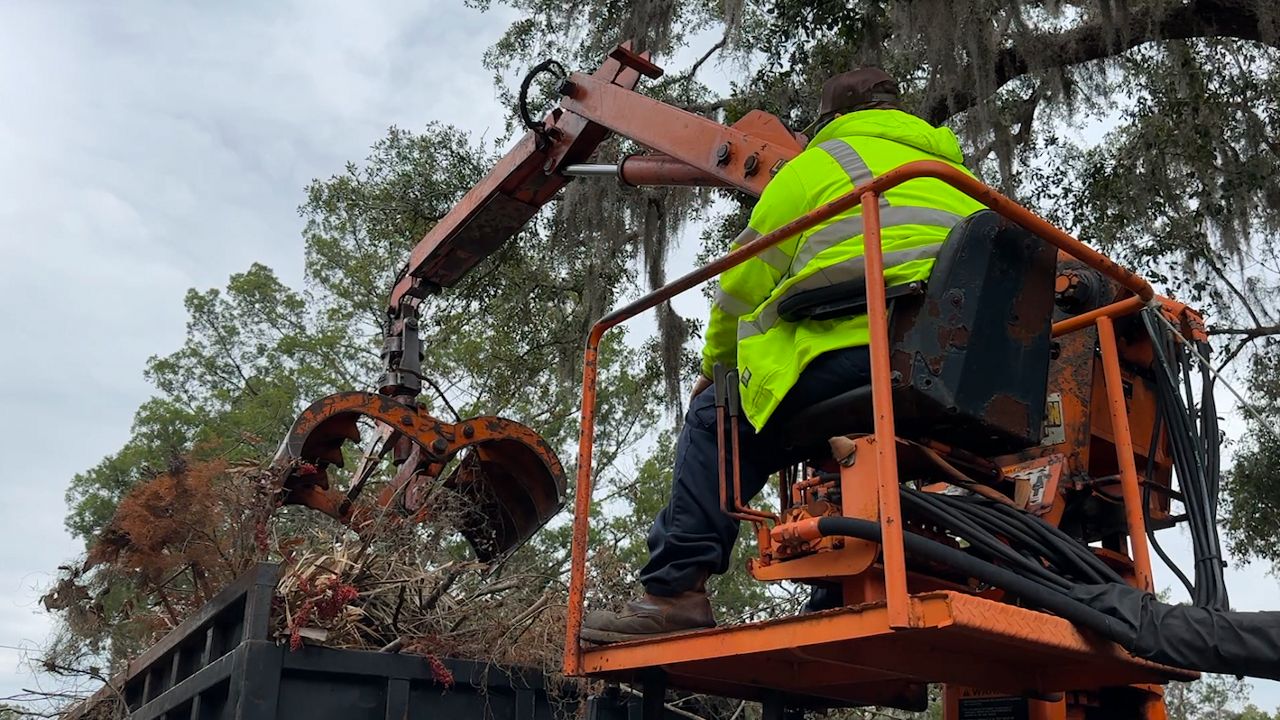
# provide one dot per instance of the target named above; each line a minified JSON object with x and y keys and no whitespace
{"x":745,"y":328}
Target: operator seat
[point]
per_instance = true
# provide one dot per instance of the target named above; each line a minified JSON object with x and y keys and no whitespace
{"x":969,"y":352}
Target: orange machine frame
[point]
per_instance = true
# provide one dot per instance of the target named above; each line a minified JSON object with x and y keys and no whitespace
{"x":899,"y":611}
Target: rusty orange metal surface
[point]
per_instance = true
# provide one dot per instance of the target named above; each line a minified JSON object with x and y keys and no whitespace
{"x":511,"y":475}
{"x":746,"y":160}
{"x":1124,"y":454}
{"x":1079,"y":322}
{"x":853,"y":655}
{"x":500,"y":205}
{"x":886,"y":449}
{"x":661,"y":170}
{"x":730,"y":464}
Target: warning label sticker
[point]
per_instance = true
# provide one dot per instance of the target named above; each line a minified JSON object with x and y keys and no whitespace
{"x":993,"y":708}
{"x":1054,"y":432}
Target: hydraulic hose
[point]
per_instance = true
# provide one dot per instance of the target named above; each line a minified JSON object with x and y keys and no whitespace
{"x":1196,"y":638}
{"x":984,"y":542}
{"x":1193,"y":442}
{"x":1033,"y":592}
{"x":1063,"y":552}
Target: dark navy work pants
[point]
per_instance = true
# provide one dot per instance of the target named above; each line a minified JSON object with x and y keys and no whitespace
{"x":692,"y":536}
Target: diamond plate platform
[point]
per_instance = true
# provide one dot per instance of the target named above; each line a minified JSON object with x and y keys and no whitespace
{"x":851,"y":656}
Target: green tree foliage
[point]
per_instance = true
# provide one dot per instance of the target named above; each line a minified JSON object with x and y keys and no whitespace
{"x":1253,"y":485}
{"x":1213,"y":697}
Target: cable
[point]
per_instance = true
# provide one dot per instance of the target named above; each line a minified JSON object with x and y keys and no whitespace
{"x":1035,"y":593}
{"x":1055,"y":538}
{"x":1196,"y":638}
{"x":1146,"y":504}
{"x":995,"y":522}
{"x":545,"y":66}
{"x":1193,"y":443}
{"x":1217,"y":376}
{"x":980,"y":539}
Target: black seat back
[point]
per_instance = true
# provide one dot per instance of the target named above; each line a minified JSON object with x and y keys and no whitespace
{"x":970,"y":357}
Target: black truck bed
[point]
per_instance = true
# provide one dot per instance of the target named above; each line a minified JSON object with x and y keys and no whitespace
{"x":221,"y":664}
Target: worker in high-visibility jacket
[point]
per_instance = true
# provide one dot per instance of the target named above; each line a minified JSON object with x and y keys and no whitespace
{"x":787,"y":366}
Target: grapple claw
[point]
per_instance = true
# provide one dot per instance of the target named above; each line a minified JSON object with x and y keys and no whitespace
{"x":511,"y":479}
{"x":332,"y":454}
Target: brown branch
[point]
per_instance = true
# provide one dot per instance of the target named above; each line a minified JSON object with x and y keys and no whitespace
{"x":693,"y":69}
{"x":1207,"y":255}
{"x":1196,"y":19}
{"x":1253,"y":332}
{"x":1235,"y":351}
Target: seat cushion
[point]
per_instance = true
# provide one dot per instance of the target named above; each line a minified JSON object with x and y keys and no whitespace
{"x":844,"y":414}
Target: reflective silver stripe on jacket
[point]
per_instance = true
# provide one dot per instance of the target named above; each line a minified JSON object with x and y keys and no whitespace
{"x":852,"y":226}
{"x":773,"y":256}
{"x":851,"y":269}
{"x":849,"y":159}
{"x":732,"y":305}
{"x":832,"y":235}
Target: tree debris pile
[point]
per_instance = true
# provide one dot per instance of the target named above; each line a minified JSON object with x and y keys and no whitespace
{"x":175,"y":540}
{"x":180,"y":537}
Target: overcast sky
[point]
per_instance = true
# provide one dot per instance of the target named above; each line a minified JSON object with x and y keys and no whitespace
{"x":149,"y":148}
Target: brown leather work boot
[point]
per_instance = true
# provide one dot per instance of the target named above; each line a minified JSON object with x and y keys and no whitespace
{"x":649,"y":616}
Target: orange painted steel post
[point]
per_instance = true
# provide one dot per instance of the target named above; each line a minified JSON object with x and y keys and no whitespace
{"x":895,"y":561}
{"x":1124,"y":453}
{"x":582,"y":508}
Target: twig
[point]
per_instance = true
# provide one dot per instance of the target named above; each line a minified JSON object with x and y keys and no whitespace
{"x":693,"y":69}
{"x":444,"y":398}
{"x":670,"y":708}
{"x":528,"y":615}
{"x":497,"y":587}
{"x":442,"y":587}
{"x":395,"y":615}
{"x":106,"y":682}
{"x":1248,"y":333}
{"x":1234,"y":352}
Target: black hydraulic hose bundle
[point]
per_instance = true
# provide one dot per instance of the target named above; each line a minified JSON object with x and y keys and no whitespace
{"x":1156,"y":427}
{"x":1054,"y":600}
{"x":1195,"y":638}
{"x":1046,"y":568}
{"x":1194,"y":444}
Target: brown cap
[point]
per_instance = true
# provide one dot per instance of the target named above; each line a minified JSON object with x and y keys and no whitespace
{"x":861,"y":89}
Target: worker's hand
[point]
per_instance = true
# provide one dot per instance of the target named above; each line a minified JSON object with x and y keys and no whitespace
{"x":703,"y":382}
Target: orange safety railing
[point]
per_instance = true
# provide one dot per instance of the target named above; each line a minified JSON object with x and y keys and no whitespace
{"x":894,"y":560}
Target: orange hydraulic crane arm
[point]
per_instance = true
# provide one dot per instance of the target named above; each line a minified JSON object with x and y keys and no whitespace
{"x":688,"y":150}
{"x":503,"y":463}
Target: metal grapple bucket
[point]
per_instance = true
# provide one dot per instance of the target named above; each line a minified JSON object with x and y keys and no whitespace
{"x":506,"y":476}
